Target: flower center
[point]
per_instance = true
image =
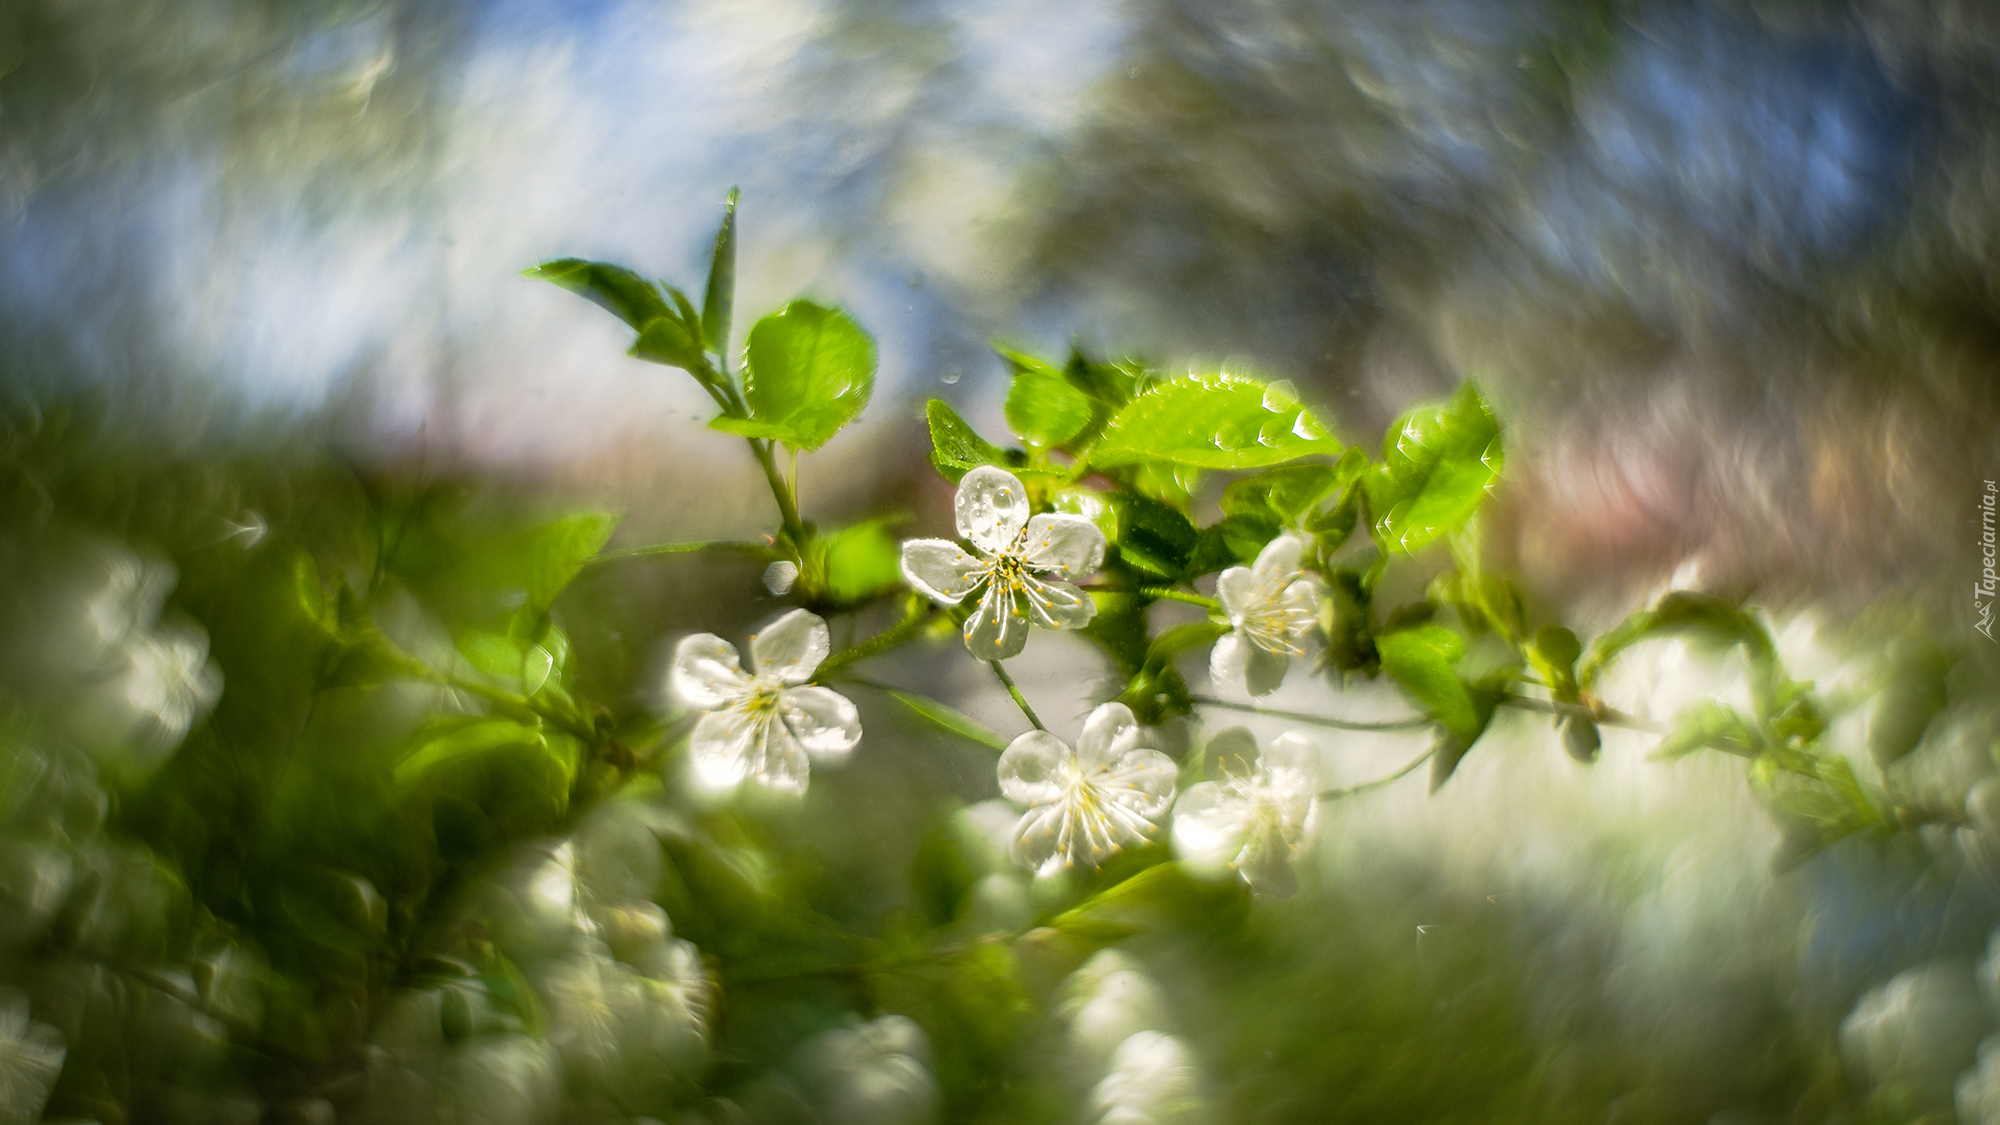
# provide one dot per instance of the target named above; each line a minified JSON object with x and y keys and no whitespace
{"x":1008,"y":570}
{"x":763,"y":697}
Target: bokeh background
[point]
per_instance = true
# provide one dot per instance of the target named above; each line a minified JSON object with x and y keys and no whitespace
{"x":1726,"y":270}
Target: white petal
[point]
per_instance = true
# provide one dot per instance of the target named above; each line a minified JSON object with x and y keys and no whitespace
{"x":1230,"y":753}
{"x":998,"y":629}
{"x":1279,"y":559}
{"x":1264,"y":670}
{"x":791,"y":647}
{"x":824,"y":721}
{"x":1228,"y":660}
{"x":992,"y":508}
{"x":1058,"y":605}
{"x":941,"y":570}
{"x":1266,"y":863}
{"x":1236,"y":589}
{"x":1038,"y":840}
{"x":782,"y":764}
{"x":1031,"y":771}
{"x":721,"y":747}
{"x":731,"y":747}
{"x":1108,"y":735}
{"x":1209,"y":828}
{"x":706,"y":673}
{"x":1293,"y":758}
{"x":1066,"y":546}
{"x":1142,"y":781}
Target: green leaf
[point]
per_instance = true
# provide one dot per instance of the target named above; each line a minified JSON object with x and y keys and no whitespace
{"x":561,"y":549}
{"x":1044,"y":409}
{"x":1553,"y":654}
{"x":860,"y":562}
{"x":451,"y":742}
{"x":946,"y":719}
{"x":1120,"y":629}
{"x":1220,"y":421}
{"x":1151,"y":536}
{"x":1912,"y":697}
{"x":1287,"y":492}
{"x":809,"y":371}
{"x":1710,"y":724}
{"x":1350,"y":644}
{"x":957,"y":448}
{"x":1437,"y":464}
{"x":1231,"y":541}
{"x":718,"y":302}
{"x":630,"y":297}
{"x":667,"y":340}
{"x":1420,"y":661}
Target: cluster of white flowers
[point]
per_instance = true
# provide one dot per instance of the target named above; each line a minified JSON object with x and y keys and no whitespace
{"x":1111,"y":792}
{"x":151,"y":678}
{"x":1252,"y":817}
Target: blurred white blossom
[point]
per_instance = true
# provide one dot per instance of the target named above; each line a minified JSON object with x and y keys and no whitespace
{"x":1918,"y":1031}
{"x":1152,"y":1082}
{"x":31,"y":1055}
{"x":1105,"y":1002}
{"x":1087,"y":803}
{"x":1257,"y":816}
{"x":1011,"y":549}
{"x":763,"y":725}
{"x":874,"y":1074}
{"x":1272,"y":607}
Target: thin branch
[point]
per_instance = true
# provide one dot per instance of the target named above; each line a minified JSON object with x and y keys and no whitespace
{"x":1602,"y":716}
{"x":788,"y":512}
{"x":1336,"y":794}
{"x":892,"y":637}
{"x":747,"y":547}
{"x":1317,"y":720}
{"x":1019,"y":701}
{"x":1173,"y":595}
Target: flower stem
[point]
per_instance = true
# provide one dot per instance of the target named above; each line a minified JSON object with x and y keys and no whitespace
{"x":749,"y":548}
{"x":1336,"y":794}
{"x":1173,"y":595}
{"x":1317,"y":720}
{"x":1019,"y":700}
{"x":892,"y":637}
{"x":788,"y":512}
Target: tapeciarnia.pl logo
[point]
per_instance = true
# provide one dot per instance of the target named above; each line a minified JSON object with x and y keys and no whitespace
{"x":1988,"y":585}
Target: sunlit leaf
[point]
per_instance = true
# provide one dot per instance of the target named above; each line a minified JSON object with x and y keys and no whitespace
{"x":1219,"y":421}
{"x":630,"y":297}
{"x":1710,"y":724}
{"x":561,"y":549}
{"x":1152,"y":536}
{"x":1044,"y":409}
{"x":1437,"y":465}
{"x":809,"y":371}
{"x":957,"y":448}
{"x":946,"y":719}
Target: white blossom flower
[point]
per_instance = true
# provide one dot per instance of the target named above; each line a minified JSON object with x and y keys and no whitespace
{"x":1152,"y":1082}
{"x":31,"y":1055}
{"x":1085,"y":803}
{"x":1009,"y":550}
{"x":1258,"y":814}
{"x":1272,"y":606}
{"x":875,"y":1074}
{"x":762,"y":726}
